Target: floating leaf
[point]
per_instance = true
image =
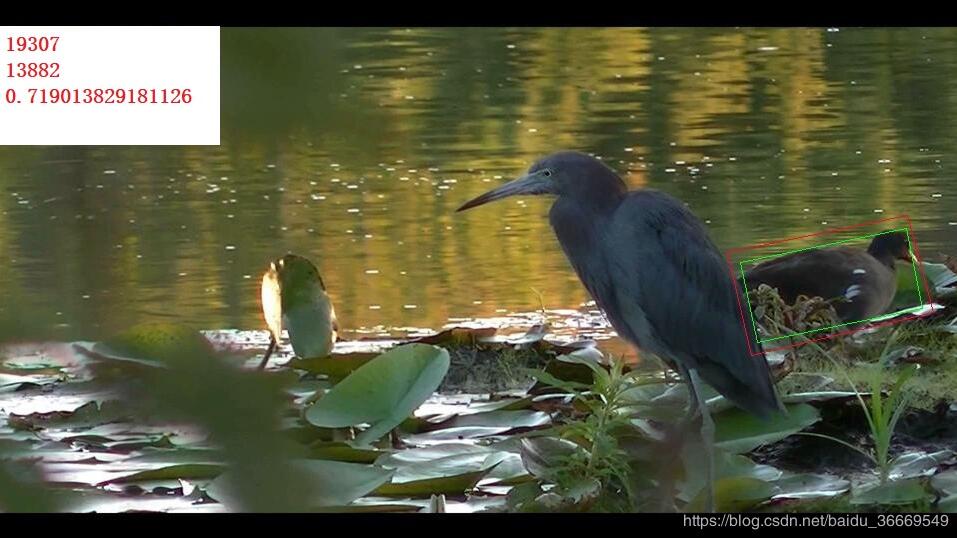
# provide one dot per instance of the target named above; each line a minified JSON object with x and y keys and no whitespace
{"x":740,"y":432}
{"x":331,"y":450}
{"x":163,"y":343}
{"x":328,"y":483}
{"x":727,"y":465}
{"x":505,"y":420}
{"x":734,"y":494}
{"x":189,"y":471}
{"x":810,"y":486}
{"x":939,"y":275}
{"x":946,"y":484}
{"x":86,"y":416}
{"x":948,"y":504}
{"x":412,"y":456}
{"x":337,"y":366}
{"x":544,"y":456}
{"x":891,"y":492}
{"x":916,"y":464}
{"x":449,"y":485}
{"x":383,"y":392}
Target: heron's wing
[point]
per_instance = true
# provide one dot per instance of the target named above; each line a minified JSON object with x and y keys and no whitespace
{"x":683,"y":299}
{"x":272,"y":303}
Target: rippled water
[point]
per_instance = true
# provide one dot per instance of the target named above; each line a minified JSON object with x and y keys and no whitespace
{"x":354,"y":146}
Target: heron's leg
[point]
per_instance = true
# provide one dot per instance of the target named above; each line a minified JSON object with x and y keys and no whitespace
{"x":707,"y":437}
{"x":675,"y":441}
{"x":269,"y":350}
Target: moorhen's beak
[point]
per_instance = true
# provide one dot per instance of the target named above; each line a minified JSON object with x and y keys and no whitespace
{"x":534,"y":183}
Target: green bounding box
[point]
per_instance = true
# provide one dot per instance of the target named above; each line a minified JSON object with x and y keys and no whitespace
{"x":754,"y":327}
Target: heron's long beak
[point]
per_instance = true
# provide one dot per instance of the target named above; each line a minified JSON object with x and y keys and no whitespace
{"x":527,"y":184}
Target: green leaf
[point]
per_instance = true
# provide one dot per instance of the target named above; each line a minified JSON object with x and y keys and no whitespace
{"x":332,"y":450}
{"x":86,"y":416}
{"x":506,"y":420}
{"x":891,"y":492}
{"x":948,"y":504}
{"x":810,"y":486}
{"x":544,"y":456}
{"x":328,"y":483}
{"x":917,"y":464}
{"x":740,"y":432}
{"x":336,"y":367}
{"x":727,"y":465}
{"x":383,"y":392}
{"x":548,"y":379}
{"x":939,"y":275}
{"x":448,"y":466}
{"x":188,"y":471}
{"x":945,"y":482}
{"x":412,"y":456}
{"x":734,"y":494}
{"x":163,"y":343}
{"x":448,"y":485}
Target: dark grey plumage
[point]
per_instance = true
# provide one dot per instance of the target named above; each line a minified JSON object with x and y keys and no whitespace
{"x":650,"y":266}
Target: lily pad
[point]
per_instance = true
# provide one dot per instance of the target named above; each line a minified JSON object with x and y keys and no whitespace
{"x":810,"y":486}
{"x":382,"y":392}
{"x":338,"y":451}
{"x":189,"y":471}
{"x":946,"y":484}
{"x":449,"y":485}
{"x":891,"y":492}
{"x":740,"y":432}
{"x":336,"y":367}
{"x":161,"y":343}
{"x":86,"y":416}
{"x":543,"y":456}
{"x":329,"y":483}
{"x":504,"y":420}
{"x":734,"y":494}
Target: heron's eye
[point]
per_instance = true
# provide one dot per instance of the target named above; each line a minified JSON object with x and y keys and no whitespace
{"x":547,"y":172}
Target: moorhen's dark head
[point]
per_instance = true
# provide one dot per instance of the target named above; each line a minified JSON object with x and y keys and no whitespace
{"x":890,"y":246}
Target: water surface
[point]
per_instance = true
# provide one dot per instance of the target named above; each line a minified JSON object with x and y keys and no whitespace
{"x":354,"y":147}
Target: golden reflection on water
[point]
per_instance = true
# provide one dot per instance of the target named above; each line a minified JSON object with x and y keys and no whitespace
{"x":356,"y":147}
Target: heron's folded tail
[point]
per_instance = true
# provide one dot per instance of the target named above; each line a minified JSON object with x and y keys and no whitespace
{"x":750,"y":387}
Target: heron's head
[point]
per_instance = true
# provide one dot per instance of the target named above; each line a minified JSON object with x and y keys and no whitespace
{"x":291,"y":269}
{"x":890,"y":246}
{"x":567,"y":173}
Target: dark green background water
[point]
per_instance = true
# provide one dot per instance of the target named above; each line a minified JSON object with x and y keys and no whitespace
{"x":354,"y":147}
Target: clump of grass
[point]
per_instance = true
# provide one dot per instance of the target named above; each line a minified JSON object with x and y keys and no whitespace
{"x":602,"y":475}
{"x":777,"y":318}
{"x":881,"y":411}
